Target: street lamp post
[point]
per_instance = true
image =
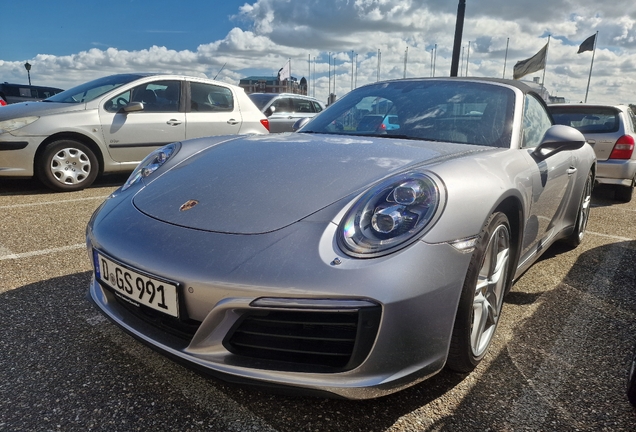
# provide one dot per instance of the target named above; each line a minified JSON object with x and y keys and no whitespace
{"x":27,"y":66}
{"x":459,"y":28}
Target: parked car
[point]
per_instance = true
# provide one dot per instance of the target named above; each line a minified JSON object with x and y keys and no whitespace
{"x":337,"y":261}
{"x":378,"y":122}
{"x":284,"y":109}
{"x":14,"y":93}
{"x":112,"y":123}
{"x":610,"y":130}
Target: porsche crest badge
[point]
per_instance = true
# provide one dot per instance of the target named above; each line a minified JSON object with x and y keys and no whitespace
{"x":188,"y":205}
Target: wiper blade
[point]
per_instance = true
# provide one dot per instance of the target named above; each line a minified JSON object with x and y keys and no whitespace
{"x":409,"y":137}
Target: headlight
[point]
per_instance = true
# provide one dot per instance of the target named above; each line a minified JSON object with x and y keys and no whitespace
{"x":13,"y":124}
{"x":390,"y":216}
{"x":151,"y":163}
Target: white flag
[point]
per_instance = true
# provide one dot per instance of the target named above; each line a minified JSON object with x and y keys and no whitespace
{"x":285,"y":72}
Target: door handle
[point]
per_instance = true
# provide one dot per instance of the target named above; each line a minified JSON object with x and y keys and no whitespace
{"x":232,"y":122}
{"x":173,"y":122}
{"x":571,"y":171}
{"x":591,"y":142}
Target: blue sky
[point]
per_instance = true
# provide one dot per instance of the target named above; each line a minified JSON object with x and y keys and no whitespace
{"x":68,"y":42}
{"x":64,"y":27}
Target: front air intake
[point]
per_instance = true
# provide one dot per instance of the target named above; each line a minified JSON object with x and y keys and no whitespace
{"x":318,"y":341}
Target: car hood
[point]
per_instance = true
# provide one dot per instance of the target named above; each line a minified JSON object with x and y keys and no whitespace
{"x":26,"y":109}
{"x":259,"y":184}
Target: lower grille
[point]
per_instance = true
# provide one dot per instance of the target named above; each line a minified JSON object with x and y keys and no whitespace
{"x":316,"y":340}
{"x":182,"y":328}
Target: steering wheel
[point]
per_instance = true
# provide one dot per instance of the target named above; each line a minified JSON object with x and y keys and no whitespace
{"x":121,"y":102}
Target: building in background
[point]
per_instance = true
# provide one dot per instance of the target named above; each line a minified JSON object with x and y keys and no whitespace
{"x":271,"y":84}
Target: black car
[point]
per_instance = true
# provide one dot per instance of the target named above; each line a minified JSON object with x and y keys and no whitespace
{"x":14,"y":93}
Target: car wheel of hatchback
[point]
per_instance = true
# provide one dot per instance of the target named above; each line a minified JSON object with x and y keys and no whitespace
{"x":67,"y":165}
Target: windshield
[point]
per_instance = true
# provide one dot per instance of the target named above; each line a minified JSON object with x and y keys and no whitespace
{"x":93,"y":89}
{"x":435,"y":110}
{"x":260,"y":100}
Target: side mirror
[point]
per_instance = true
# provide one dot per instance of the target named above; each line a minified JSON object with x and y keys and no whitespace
{"x":300,"y":123}
{"x":133,"y":106}
{"x":557,"y":139}
{"x":269,"y":111}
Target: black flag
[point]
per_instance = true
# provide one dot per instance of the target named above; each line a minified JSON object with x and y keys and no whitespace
{"x":587,"y":45}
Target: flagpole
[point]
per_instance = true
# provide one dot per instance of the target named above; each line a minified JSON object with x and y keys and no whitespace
{"x":589,"y":78}
{"x":505,"y":59}
{"x":355,"y":83}
{"x":308,"y":74}
{"x":467,"y":58}
{"x":329,"y":75}
{"x":351,"y":69}
{"x":545,"y":65}
{"x":406,"y":53}
{"x":435,"y":60}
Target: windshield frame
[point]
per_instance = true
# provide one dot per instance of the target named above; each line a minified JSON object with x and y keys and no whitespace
{"x":442,"y":110}
{"x":94,"y":89}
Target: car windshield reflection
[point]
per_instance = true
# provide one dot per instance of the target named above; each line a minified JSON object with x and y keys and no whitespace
{"x":457,"y":112}
{"x":93,"y":89}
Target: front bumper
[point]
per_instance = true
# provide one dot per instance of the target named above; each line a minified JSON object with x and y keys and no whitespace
{"x":17,"y":155}
{"x":225,"y":279}
{"x":616,"y":172}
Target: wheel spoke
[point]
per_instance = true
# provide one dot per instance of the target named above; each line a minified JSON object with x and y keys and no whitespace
{"x":70,"y":166}
{"x":489,"y":290}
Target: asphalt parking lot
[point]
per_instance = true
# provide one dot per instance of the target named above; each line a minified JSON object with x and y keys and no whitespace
{"x":559,"y":360}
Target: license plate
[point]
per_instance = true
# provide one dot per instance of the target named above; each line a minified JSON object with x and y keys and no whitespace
{"x":136,"y":288}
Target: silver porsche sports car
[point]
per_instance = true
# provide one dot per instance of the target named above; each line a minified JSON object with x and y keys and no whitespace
{"x":347,"y":258}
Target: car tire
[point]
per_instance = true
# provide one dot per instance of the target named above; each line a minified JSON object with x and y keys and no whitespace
{"x":631,"y":380}
{"x":67,"y":165}
{"x":623,"y":193}
{"x":583,"y":214}
{"x":487,"y":280}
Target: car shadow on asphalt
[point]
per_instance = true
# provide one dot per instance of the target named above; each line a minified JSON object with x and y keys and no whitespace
{"x":604,"y":196}
{"x":532,"y":383}
{"x":564,"y":367}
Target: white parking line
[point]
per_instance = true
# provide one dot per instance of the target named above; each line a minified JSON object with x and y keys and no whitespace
{"x":614,"y":208}
{"x":6,"y":254}
{"x":541,"y":396}
{"x":609,"y":236}
{"x":53,"y":202}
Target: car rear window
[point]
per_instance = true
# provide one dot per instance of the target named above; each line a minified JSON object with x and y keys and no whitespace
{"x":587,"y":119}
{"x":260,"y":100}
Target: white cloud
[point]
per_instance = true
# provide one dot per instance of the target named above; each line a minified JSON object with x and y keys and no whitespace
{"x":271,"y":31}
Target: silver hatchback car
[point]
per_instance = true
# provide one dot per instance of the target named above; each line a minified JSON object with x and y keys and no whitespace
{"x":112,"y":123}
{"x":609,"y":129}
{"x":284,"y":109}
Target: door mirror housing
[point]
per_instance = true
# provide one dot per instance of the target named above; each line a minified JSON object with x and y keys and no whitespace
{"x":133,"y":106}
{"x":300,"y":123}
{"x":269,"y":111}
{"x":557,"y":139}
